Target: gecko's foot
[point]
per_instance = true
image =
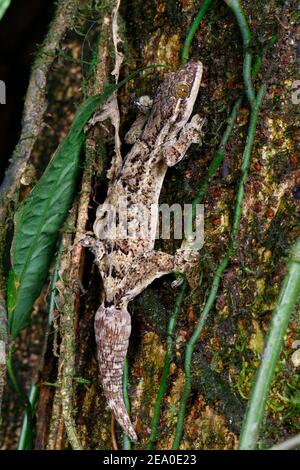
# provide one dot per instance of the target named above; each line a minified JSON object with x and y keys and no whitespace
{"x":176,"y":283}
{"x":88,"y":239}
{"x":144,"y":104}
{"x":194,"y":128}
{"x":187,"y":262}
{"x":90,"y":242}
{"x":101,"y":115}
{"x":95,"y":245}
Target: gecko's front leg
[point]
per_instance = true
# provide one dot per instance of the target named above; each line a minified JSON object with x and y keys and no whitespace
{"x":186,"y":259}
{"x":144,"y":105}
{"x":174,"y":150}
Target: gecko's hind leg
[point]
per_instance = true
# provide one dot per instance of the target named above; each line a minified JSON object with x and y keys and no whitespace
{"x":145,"y":268}
{"x":154,"y":264}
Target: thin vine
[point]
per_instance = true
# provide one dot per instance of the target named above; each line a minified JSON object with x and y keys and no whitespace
{"x":192,"y":31}
{"x":221,"y":268}
{"x":237,"y":10}
{"x":257,"y":402}
{"x":217,"y":160}
{"x":27,"y":429}
{"x":165,"y":373}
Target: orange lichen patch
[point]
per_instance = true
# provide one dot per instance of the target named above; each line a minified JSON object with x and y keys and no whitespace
{"x":217,"y":221}
{"x":215,"y":343}
{"x":206,"y":429}
{"x":216,"y":192}
{"x":257,"y":166}
{"x":230,"y":84}
{"x":270,"y":213}
{"x":294,"y":159}
{"x":137,"y":372}
{"x":191,"y":314}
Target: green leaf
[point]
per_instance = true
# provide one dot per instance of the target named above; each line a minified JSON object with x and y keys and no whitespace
{"x":4,"y":4}
{"x":12,"y":289}
{"x":39,"y":219}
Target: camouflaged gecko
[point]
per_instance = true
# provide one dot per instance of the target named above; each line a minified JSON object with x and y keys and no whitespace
{"x":129,"y":265}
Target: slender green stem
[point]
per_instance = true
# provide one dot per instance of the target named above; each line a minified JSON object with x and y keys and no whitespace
{"x":221,"y":268}
{"x":126,"y":440}
{"x":237,"y":10}
{"x":27,"y":427}
{"x":235,"y":6}
{"x":4,"y":4}
{"x":34,"y":390}
{"x":163,"y":383}
{"x":22,"y":395}
{"x":219,"y":156}
{"x":247,"y":78}
{"x":217,"y":160}
{"x":246,"y":161}
{"x":192,"y":31}
{"x":189,"y":352}
{"x":256,"y":406}
{"x":220,"y":153}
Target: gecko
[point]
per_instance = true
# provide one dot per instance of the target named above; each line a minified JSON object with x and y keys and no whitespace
{"x":128,"y":265}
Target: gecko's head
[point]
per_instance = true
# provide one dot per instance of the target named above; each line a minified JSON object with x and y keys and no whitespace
{"x":185,"y":84}
{"x":176,"y":96}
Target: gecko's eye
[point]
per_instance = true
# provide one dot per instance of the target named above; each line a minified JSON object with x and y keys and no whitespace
{"x":182,"y":90}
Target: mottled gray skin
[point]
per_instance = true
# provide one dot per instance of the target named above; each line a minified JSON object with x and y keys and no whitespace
{"x":128,"y":266}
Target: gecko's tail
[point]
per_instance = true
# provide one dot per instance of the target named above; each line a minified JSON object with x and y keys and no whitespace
{"x":112,"y":330}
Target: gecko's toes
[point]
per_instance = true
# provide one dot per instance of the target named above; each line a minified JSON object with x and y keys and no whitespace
{"x":177,"y":283}
{"x":87,"y":241}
